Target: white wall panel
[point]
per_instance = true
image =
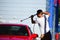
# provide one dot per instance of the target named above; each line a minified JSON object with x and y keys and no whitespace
{"x":19,"y":8}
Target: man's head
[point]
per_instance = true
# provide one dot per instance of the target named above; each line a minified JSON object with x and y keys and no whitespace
{"x":39,"y":13}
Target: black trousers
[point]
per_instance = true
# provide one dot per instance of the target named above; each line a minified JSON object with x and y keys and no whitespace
{"x":47,"y":36}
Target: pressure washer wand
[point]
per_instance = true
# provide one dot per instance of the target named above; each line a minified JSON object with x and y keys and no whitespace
{"x":27,"y":18}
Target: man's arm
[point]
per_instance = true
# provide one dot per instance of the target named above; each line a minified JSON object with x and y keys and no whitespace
{"x":47,"y":13}
{"x":33,"y":22}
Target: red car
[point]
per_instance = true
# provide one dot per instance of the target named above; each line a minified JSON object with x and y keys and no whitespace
{"x":16,"y":32}
{"x":57,"y":36}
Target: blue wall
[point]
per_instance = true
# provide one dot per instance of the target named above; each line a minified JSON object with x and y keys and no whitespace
{"x":50,"y":9}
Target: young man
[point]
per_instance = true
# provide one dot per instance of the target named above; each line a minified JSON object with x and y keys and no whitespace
{"x":40,"y":19}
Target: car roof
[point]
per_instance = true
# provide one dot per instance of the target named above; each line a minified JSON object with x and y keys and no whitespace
{"x":15,"y":24}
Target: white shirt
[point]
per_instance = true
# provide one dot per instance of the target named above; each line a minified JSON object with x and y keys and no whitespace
{"x":41,"y":23}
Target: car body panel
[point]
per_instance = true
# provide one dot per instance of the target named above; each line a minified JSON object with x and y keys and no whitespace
{"x":6,"y":37}
{"x":18,"y":37}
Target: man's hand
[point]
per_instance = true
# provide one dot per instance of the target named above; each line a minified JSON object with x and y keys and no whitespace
{"x":42,"y":35}
{"x":33,"y":22}
{"x":32,"y":16}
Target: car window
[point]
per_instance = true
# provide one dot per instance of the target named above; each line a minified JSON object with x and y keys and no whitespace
{"x":13,"y":30}
{"x":30,"y":30}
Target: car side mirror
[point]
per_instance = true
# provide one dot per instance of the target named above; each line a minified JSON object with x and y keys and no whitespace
{"x":34,"y":35}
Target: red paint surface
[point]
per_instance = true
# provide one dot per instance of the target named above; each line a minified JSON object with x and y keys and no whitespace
{"x":15,"y":37}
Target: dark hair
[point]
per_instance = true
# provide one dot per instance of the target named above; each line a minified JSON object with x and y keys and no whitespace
{"x":39,"y":11}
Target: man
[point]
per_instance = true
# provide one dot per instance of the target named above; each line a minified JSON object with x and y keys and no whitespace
{"x":40,"y":19}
